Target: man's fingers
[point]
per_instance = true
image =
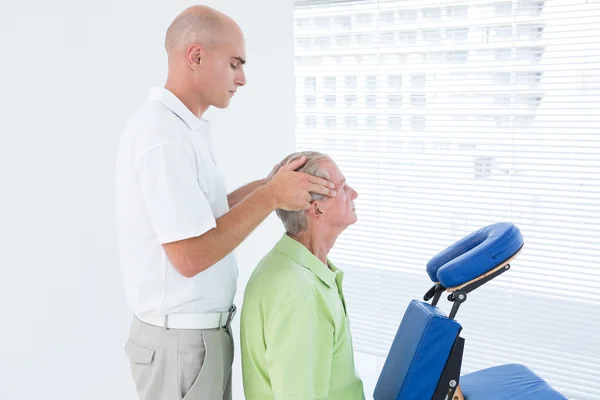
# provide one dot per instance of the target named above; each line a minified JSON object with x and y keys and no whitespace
{"x":320,"y":181}
{"x":322,"y":190}
{"x":295,"y":164}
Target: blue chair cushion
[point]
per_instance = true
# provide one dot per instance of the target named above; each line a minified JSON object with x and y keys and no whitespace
{"x":418,"y":354}
{"x":475,"y":254}
{"x":507,"y":382}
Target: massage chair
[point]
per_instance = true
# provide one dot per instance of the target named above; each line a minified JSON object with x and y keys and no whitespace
{"x":424,"y":361}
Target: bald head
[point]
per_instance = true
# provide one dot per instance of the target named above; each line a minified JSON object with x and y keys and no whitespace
{"x":206,"y":53}
{"x":197,"y":24}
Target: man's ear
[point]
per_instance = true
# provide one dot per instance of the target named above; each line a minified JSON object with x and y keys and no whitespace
{"x":315,"y":210}
{"x":194,"y":56}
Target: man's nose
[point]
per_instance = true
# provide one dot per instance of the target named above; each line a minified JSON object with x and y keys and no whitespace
{"x":241,"y":78}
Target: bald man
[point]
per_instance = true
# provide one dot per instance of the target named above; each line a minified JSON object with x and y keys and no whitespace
{"x":177,"y":225}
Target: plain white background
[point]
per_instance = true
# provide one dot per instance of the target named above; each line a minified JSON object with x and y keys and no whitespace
{"x":71,"y":72}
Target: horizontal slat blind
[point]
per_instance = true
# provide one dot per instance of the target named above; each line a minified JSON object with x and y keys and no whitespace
{"x":450,"y":115}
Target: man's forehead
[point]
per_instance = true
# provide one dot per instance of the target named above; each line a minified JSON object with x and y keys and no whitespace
{"x":335,"y":174}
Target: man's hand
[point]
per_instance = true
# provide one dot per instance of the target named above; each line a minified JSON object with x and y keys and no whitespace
{"x":292,"y":190}
{"x":273,"y":172}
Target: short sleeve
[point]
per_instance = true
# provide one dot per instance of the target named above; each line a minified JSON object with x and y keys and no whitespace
{"x":299,"y":352}
{"x":168,"y":179}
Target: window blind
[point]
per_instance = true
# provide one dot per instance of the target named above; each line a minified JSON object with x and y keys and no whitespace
{"x":447,"y":116}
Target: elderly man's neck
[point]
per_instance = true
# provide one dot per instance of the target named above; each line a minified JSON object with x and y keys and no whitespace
{"x":317,"y":242}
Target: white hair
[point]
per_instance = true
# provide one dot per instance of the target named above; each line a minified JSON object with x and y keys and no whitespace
{"x":295,"y":221}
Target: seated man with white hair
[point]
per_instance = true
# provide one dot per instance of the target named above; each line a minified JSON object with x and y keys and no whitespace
{"x":295,"y":334}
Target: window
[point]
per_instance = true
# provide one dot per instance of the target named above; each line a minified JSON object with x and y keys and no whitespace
{"x":310,"y":100}
{"x":322,"y":41}
{"x":483,"y":167}
{"x":364,"y":38}
{"x":371,"y":101}
{"x":532,"y":8}
{"x":310,"y":121}
{"x":395,"y":122}
{"x":387,"y":37}
{"x":502,"y":121}
{"x":432,"y":14}
{"x":530,"y":32}
{"x":408,"y":15}
{"x":417,"y":100}
{"x":303,"y":42}
{"x":364,"y":19}
{"x":387,"y":17}
{"x":343,"y":21}
{"x":436,"y":57}
{"x":458,"y":56}
{"x":432,"y":35}
{"x":330,"y":100}
{"x":330,"y":83}
{"x":407,"y":37}
{"x":530,"y":54}
{"x":310,"y":83}
{"x":417,"y":123}
{"x":457,"y":12}
{"x":330,"y":121}
{"x":351,"y":121}
{"x":503,"y":9}
{"x":303,"y":23}
{"x":503,"y":54}
{"x":503,"y":32}
{"x":474,"y":112}
{"x":418,"y":80}
{"x":502,"y":101}
{"x":395,"y":82}
{"x":458,"y":35}
{"x":395,"y":100}
{"x":351,"y":82}
{"x":322,"y":22}
{"x":371,"y":121}
{"x":371,"y":83}
{"x":342,"y":40}
{"x":502,"y":78}
{"x":532,"y":79}
{"x":350,"y":100}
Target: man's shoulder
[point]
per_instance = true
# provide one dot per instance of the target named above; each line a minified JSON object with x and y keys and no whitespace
{"x":152,"y":124}
{"x":278,"y":278}
{"x":276,"y":267}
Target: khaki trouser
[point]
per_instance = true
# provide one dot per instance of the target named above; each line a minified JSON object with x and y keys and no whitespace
{"x":180,"y":364}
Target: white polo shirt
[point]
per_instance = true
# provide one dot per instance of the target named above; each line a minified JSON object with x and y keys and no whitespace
{"x":168,"y":188}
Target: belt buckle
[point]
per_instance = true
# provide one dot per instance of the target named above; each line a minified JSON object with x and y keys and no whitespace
{"x":232,"y":312}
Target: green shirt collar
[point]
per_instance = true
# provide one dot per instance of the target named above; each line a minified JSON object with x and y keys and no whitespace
{"x":299,"y":253}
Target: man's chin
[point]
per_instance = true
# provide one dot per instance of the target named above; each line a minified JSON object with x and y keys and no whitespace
{"x":221,"y":105}
{"x":354,"y":218}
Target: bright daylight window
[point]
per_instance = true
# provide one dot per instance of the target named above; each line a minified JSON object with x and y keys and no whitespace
{"x":449,"y":115}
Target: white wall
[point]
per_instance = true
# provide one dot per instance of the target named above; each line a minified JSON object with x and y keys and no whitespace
{"x":71,"y":72}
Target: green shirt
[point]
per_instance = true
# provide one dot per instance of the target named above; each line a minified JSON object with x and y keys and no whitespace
{"x":295,"y":334}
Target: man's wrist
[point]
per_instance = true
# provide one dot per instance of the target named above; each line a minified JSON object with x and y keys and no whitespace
{"x":266,"y":196}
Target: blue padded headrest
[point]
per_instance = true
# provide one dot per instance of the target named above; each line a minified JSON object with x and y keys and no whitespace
{"x":475,"y":254}
{"x":418,"y":354}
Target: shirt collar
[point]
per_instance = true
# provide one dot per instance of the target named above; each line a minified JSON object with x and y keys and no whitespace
{"x":172,"y":102}
{"x":299,"y":253}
